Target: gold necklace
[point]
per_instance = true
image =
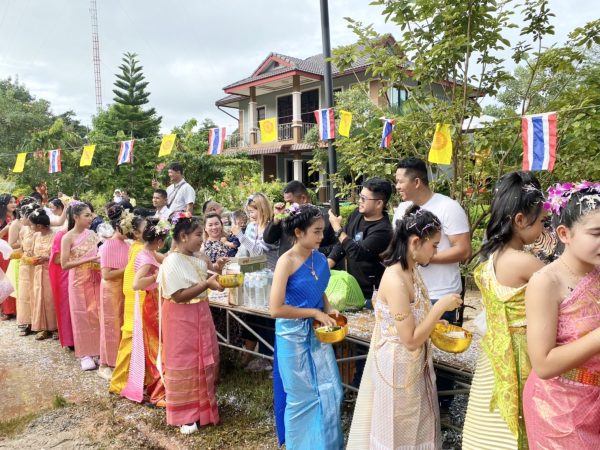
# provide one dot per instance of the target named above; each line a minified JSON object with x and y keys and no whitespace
{"x":574,"y":276}
{"x":312,"y":266}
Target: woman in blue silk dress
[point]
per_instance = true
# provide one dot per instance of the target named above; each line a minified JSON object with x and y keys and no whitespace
{"x":307,"y":385}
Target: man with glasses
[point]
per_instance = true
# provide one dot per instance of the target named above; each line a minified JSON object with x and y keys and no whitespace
{"x":365,"y":236}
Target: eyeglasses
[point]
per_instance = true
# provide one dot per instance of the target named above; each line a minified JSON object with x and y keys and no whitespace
{"x":362,"y":198}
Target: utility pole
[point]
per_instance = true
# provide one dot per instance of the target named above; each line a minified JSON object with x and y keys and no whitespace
{"x":329,"y":102}
{"x":96,"y":54}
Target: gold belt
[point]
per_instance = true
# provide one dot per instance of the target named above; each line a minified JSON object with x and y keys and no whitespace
{"x":517,"y":330}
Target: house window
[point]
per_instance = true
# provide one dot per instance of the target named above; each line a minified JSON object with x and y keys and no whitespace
{"x":261,"y":113}
{"x":397,"y":96}
{"x":309,"y":103}
{"x":335,"y":91}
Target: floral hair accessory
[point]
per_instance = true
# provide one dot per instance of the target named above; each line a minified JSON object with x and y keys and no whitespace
{"x":560,"y":194}
{"x":411,"y":222}
{"x":162,"y":227}
{"x":176,"y":217}
{"x":126,"y":223}
{"x":290,"y":210}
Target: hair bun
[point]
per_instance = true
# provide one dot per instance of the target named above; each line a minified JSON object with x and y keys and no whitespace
{"x":114,"y":212}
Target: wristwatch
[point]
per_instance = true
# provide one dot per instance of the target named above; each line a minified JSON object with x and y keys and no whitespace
{"x":338,"y":233}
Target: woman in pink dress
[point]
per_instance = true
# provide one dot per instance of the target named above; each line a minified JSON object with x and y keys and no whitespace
{"x":8,"y":206}
{"x":43,"y":316}
{"x":79,"y":255}
{"x":562,"y":394}
{"x":59,"y":280}
{"x":113,"y":259}
{"x":145,"y":325}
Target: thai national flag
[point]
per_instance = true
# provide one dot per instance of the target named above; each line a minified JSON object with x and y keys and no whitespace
{"x":386,"y":134}
{"x":326,"y":123}
{"x":54,"y":163}
{"x":539,"y":141}
{"x":125,"y":152}
{"x":216,"y":140}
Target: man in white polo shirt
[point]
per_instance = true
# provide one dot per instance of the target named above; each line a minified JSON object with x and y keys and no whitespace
{"x":442,"y":275}
{"x":180,"y":195}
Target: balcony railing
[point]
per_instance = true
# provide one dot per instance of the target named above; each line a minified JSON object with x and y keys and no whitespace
{"x":284,"y":133}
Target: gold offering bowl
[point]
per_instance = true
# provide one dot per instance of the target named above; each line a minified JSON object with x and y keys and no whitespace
{"x":16,"y":254}
{"x":327,"y":336}
{"x":449,"y":344}
{"x":231,"y":280}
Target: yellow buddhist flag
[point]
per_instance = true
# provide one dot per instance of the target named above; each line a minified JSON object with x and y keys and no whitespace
{"x":87,"y":155}
{"x":441,"y":147}
{"x":167,"y":144}
{"x":20,"y":162}
{"x":345,"y":122}
{"x":268,"y":130}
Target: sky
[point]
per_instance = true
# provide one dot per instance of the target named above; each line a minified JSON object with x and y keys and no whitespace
{"x":189,"y":49}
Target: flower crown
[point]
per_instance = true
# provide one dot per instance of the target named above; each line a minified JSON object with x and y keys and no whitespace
{"x":162,"y":227}
{"x":126,"y":223}
{"x":176,"y":217}
{"x":560,"y":194}
{"x":290,"y":210}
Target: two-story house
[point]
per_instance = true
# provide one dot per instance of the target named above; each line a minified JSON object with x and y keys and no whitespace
{"x":291,"y":89}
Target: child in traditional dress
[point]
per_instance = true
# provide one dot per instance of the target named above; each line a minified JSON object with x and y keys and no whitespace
{"x":134,"y":226}
{"x":79,"y":255}
{"x":26,"y":270}
{"x":397,"y":405}
{"x":495,"y":411}
{"x":191,"y":350}
{"x":143,"y":372}
{"x":307,"y":385}
{"x":562,"y":394}
{"x":113,"y":259}
{"x":43,"y":316}
{"x":8,"y":207}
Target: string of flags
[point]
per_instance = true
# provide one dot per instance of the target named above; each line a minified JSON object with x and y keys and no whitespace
{"x":539,"y":136}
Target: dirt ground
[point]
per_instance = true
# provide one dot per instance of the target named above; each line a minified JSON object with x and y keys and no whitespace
{"x":48,"y":402}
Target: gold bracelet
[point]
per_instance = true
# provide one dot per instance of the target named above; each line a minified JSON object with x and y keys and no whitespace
{"x":401,"y":316}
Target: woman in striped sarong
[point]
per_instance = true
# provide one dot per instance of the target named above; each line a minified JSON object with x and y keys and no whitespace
{"x":495,"y":412}
{"x":191,"y":350}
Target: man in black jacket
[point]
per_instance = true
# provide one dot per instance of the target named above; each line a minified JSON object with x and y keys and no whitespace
{"x":365,"y":236}
{"x":295,"y":192}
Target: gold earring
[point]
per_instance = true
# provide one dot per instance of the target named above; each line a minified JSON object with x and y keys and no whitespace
{"x":413,"y":254}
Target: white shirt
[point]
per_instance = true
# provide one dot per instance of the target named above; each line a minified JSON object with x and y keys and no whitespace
{"x":180,"y":195}
{"x":164,"y":213}
{"x":441,"y":279}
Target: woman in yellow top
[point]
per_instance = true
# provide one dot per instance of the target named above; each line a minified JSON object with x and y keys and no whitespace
{"x":495,"y":412}
{"x":134,"y":226}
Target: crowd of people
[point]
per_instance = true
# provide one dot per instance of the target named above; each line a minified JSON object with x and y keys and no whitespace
{"x":129,"y":297}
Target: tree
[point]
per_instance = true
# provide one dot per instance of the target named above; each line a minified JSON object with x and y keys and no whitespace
{"x":130,"y":96}
{"x":456,"y":45}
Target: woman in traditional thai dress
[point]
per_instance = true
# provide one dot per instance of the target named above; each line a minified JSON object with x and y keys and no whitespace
{"x":79,"y":255}
{"x":397,"y":405}
{"x":43,"y":316}
{"x":562,"y":394}
{"x":306,"y":380}
{"x":113,"y":259}
{"x":59,"y":280}
{"x":495,"y":412}
{"x":134,"y":226}
{"x":143,"y":371}
{"x":26,"y":270}
{"x":8,"y":206}
{"x":190,"y":347}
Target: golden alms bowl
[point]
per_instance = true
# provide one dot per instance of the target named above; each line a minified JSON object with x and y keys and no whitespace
{"x":450,"y":338}
{"x":331,"y":335}
{"x":231,"y":280}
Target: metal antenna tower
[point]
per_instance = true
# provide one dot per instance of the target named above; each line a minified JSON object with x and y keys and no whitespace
{"x":96,"y":53}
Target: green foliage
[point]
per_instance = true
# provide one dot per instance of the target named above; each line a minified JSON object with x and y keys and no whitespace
{"x":448,"y":57}
{"x":130,"y":96}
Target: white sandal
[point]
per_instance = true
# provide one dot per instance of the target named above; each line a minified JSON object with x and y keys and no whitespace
{"x":188,"y":429}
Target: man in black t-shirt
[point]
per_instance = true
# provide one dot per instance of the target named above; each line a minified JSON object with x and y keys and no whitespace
{"x":365,"y":236}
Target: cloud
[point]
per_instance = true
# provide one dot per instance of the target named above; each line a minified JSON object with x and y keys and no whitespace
{"x":189,"y":50}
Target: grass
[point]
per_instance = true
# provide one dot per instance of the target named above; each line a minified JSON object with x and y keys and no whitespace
{"x":59,"y":401}
{"x":14,"y":426}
